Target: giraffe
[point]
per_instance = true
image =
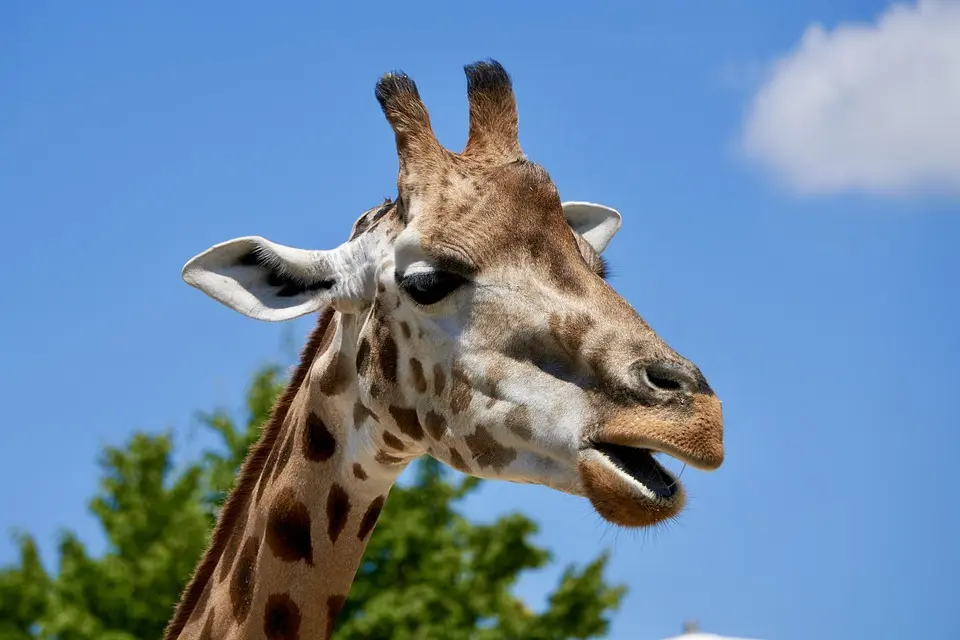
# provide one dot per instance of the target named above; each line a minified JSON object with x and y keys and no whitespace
{"x":468,"y":319}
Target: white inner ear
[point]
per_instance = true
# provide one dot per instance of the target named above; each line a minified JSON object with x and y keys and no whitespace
{"x":596,"y":223}
{"x":268,"y":281}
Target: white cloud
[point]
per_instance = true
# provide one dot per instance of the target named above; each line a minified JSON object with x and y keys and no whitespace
{"x":865,"y":107}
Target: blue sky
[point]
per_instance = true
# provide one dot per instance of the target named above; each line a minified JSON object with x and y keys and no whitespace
{"x":820,"y":300}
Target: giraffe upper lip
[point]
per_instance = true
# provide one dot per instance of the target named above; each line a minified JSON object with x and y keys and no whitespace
{"x":653,"y":480}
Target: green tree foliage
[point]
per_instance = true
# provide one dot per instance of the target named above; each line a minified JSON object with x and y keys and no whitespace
{"x":428,"y":571}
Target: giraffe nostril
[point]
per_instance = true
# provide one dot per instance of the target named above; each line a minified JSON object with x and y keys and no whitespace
{"x":658,"y":382}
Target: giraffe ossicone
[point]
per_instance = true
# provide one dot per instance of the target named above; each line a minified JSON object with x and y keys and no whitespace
{"x":468,"y":319}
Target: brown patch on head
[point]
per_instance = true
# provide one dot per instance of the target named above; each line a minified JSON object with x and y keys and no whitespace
{"x":252,"y":470}
{"x":243,"y":581}
{"x":338,"y":509}
{"x":518,"y":421}
{"x":439,"y":379}
{"x":407,"y":421}
{"x":370,"y":517}
{"x":419,"y":380}
{"x":319,"y":444}
{"x":334,"y":605}
{"x":361,"y":413}
{"x":281,"y":618}
{"x":435,"y":424}
{"x":393,"y":441}
{"x":358,"y":472}
{"x":487,"y":451}
{"x":288,"y":528}
{"x":460,"y":392}
{"x":405,"y":329}
{"x":569,"y":331}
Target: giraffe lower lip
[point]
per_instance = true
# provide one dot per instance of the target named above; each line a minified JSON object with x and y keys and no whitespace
{"x":655,"y":482}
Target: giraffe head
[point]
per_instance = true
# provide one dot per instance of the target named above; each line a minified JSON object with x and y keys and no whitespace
{"x":481,"y":324}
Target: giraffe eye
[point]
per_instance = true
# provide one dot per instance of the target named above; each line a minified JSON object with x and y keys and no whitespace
{"x":430,"y":287}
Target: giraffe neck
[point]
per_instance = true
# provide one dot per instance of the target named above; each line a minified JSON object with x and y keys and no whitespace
{"x":281,"y":563}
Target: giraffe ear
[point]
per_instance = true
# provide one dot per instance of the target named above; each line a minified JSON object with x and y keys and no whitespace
{"x":596,"y":223}
{"x":268,"y":281}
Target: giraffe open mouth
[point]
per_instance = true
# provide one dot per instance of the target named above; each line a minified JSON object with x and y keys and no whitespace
{"x":652,"y":480}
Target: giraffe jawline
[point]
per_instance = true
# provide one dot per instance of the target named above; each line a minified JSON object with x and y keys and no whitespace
{"x":653,"y":481}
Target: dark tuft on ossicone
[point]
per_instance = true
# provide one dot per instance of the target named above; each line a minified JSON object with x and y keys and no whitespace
{"x":390,"y":86}
{"x":486,"y":75}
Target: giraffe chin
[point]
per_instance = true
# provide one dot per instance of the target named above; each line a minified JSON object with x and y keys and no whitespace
{"x":628,"y":487}
{"x":619,"y":474}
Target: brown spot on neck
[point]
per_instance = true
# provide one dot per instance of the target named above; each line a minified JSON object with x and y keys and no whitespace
{"x":370,"y":518}
{"x":407,"y":422}
{"x":281,"y":618}
{"x":288,"y":528}
{"x":243,"y":580}
{"x":319,"y":444}
{"x":338,"y":510}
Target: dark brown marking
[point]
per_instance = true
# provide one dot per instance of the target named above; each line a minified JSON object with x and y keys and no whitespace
{"x":407,"y":420}
{"x":363,"y":357}
{"x":393,"y":441}
{"x":336,"y":377}
{"x":334,"y":605}
{"x":460,"y":392}
{"x":338,"y":509}
{"x":518,"y":421}
{"x":319,"y":444}
{"x":202,"y":602}
{"x":381,"y":288}
{"x":370,"y":518}
{"x":569,"y":332}
{"x":435,"y":424}
{"x":405,"y":329}
{"x":230,"y":553}
{"x":358,"y":472}
{"x":361,"y":413}
{"x":439,"y":379}
{"x":284,"y":457}
{"x":487,"y":451}
{"x":243,"y":581}
{"x":419,"y":380}
{"x":207,"y":632}
{"x":385,"y":458}
{"x":288,"y":528}
{"x":457,"y":461}
{"x":267,"y":471}
{"x":281,"y":618}
{"x":388,"y":356}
